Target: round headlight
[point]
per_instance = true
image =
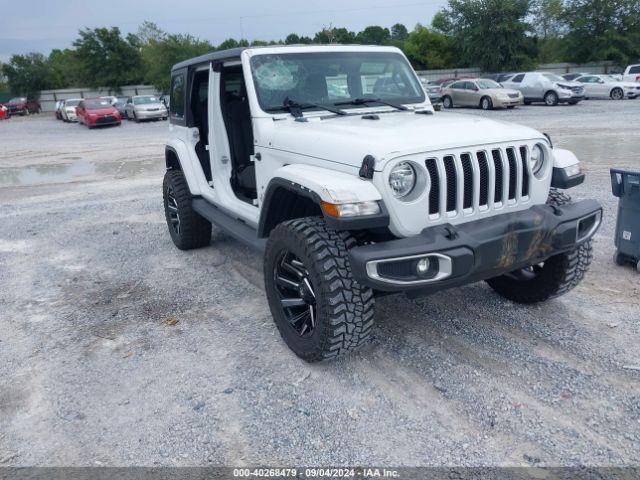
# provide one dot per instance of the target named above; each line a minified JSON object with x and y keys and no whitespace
{"x":537,"y":160}
{"x":402,"y":179}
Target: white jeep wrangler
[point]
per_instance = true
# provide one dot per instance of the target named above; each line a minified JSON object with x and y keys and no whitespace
{"x":332,"y":161}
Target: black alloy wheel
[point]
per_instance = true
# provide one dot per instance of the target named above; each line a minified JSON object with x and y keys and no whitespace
{"x":172,"y":210}
{"x":296,"y":293}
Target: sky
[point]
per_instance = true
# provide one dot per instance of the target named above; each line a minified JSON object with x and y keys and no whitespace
{"x":42,"y":25}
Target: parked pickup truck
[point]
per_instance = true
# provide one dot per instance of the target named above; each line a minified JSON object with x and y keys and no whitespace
{"x":331,"y":161}
{"x":632,"y":73}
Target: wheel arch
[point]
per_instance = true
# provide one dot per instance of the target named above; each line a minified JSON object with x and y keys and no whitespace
{"x":285,"y":200}
{"x":177,"y":158}
{"x":171,"y":158}
{"x":487,"y":97}
{"x":614,"y":89}
{"x":298,"y":191}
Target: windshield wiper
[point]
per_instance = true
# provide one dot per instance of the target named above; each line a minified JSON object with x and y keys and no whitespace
{"x":295,"y":108}
{"x":364,"y":101}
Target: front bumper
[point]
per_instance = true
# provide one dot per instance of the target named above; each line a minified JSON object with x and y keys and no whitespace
{"x":147,"y":115}
{"x":570,"y":97}
{"x":479,"y":250}
{"x":103,"y":121}
{"x":511,"y":102}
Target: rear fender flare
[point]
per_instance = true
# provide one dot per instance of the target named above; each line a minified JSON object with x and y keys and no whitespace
{"x":176,"y":151}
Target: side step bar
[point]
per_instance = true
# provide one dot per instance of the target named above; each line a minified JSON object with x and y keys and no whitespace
{"x":236,"y":228}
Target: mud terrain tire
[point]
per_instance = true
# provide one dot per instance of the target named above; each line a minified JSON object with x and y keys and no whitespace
{"x":303,"y":252}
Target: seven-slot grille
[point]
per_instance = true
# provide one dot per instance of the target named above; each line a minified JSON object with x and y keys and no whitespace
{"x":478,"y":180}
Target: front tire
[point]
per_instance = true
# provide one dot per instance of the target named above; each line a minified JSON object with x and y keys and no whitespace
{"x":617,"y":94}
{"x":187,"y":228}
{"x":553,"y":277}
{"x":320,"y":311}
{"x":447,"y":101}
{"x":486,"y":103}
{"x":551,"y":99}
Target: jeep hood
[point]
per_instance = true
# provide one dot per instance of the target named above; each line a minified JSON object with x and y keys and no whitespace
{"x":349,"y":139}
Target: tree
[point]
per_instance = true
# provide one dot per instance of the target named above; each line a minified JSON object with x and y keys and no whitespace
{"x":292,"y":39}
{"x":399,"y":33}
{"x":547,"y":18}
{"x":491,"y":34}
{"x":108,"y":59}
{"x":232,"y":43}
{"x":428,"y":49}
{"x":27,"y":74}
{"x":374,"y":35}
{"x":330,"y":35}
{"x":603,"y":30}
{"x":65,"y":68}
{"x":161,"y":51}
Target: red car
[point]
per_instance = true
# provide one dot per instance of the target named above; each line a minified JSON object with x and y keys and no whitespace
{"x":96,"y":112}
{"x":23,"y":106}
{"x":4,"y":112}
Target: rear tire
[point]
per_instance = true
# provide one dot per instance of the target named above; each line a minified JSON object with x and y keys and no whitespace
{"x":320,"y":311}
{"x":447,"y":101}
{"x":552,"y":278}
{"x":187,"y":228}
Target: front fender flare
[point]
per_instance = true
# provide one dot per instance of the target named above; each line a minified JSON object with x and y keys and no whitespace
{"x":320,"y":185}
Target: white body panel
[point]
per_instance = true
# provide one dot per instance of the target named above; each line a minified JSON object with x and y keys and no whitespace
{"x":331,"y":186}
{"x":602,"y":86}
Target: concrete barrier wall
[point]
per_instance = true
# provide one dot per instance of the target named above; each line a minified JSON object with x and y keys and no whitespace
{"x":48,"y":98}
{"x":558,"y":68}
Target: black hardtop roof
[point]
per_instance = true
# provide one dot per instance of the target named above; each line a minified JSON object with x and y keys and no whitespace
{"x":211,"y":57}
{"x":234,"y":53}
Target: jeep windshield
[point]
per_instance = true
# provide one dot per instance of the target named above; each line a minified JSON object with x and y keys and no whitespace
{"x":330,"y":78}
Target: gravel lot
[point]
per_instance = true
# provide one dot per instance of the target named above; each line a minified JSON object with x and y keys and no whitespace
{"x":118,"y":349}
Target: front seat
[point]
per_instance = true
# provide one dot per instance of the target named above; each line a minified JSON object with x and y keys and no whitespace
{"x":241,"y":141}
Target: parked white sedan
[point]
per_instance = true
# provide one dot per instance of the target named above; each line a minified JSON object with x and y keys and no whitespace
{"x":607,"y":86}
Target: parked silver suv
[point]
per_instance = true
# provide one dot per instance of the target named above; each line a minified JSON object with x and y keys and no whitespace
{"x":545,"y":87}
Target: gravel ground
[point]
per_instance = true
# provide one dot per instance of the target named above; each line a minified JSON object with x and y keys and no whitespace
{"x":117,"y":349}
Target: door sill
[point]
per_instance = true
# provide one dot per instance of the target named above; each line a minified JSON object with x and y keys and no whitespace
{"x":230,"y":225}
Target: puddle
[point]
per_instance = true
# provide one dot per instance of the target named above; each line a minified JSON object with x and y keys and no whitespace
{"x":65,"y":173}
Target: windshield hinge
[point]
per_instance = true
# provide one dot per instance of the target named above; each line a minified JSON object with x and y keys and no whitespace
{"x":368,"y":167}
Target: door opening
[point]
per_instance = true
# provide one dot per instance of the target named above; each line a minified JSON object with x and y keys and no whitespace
{"x":237,"y":120}
{"x":200,"y":108}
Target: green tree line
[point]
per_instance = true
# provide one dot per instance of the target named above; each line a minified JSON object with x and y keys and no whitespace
{"x":495,"y":35}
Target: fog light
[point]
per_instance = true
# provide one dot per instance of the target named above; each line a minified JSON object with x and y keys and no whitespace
{"x":423,"y":266}
{"x":573,"y":170}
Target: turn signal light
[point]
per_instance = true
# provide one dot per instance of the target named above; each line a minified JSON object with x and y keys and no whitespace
{"x":348,"y":210}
